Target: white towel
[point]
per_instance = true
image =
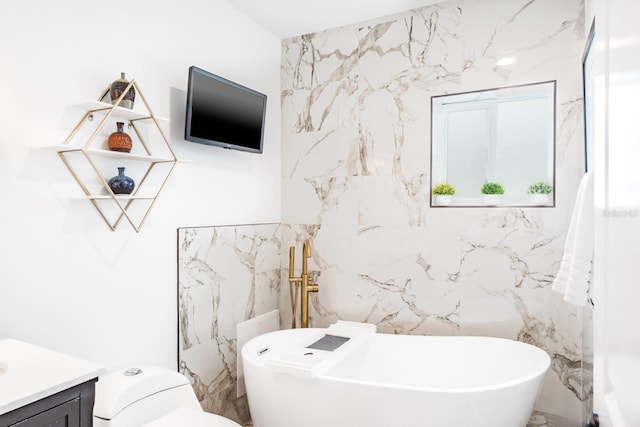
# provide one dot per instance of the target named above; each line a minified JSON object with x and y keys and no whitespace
{"x":573,"y":276}
{"x":345,"y":328}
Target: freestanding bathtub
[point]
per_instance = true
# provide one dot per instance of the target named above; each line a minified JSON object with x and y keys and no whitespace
{"x":381,"y":380}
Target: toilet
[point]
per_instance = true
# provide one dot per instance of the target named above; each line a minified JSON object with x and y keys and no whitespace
{"x":150,"y":396}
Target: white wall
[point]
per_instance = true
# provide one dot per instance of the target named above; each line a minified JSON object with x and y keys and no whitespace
{"x":67,"y":281}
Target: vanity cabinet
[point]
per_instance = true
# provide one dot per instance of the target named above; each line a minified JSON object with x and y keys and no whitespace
{"x":69,"y":408}
{"x":87,"y":157}
{"x":41,"y":387}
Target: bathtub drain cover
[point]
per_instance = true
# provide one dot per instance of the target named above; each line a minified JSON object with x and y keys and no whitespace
{"x":328,"y":343}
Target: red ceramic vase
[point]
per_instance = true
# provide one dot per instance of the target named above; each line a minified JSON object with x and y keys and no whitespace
{"x":119,"y":140}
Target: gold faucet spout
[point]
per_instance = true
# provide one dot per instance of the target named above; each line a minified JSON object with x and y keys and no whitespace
{"x":305,"y":286}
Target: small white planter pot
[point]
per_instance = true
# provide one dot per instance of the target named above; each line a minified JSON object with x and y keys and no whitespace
{"x":443,"y":200}
{"x":539,"y":199}
{"x":491,"y":199}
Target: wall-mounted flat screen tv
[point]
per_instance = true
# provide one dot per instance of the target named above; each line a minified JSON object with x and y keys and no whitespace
{"x":223,"y":113}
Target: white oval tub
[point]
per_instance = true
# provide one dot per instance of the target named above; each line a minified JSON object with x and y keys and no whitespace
{"x":381,"y":380}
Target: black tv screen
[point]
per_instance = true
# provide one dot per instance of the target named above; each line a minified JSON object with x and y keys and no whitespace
{"x":223,"y":113}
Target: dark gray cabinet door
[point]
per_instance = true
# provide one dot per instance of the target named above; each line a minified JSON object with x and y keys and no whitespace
{"x":65,"y":415}
{"x":69,"y":408}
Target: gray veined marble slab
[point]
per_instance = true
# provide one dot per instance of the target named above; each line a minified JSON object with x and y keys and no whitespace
{"x":225,"y":275}
{"x":356,"y":134}
{"x":355,"y":181}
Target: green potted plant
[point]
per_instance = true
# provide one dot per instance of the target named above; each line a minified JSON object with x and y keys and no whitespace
{"x":444,"y":193}
{"x":539,"y":192}
{"x":491,"y":192}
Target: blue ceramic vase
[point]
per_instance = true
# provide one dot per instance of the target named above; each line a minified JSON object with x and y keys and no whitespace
{"x":121,"y":184}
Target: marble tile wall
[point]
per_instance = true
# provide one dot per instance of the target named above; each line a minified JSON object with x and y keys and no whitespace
{"x":356,"y":182}
{"x":225,"y":275}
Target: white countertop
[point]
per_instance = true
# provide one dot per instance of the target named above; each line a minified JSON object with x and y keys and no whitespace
{"x":29,"y":373}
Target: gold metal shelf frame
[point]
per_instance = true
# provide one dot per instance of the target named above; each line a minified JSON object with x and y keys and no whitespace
{"x":122,"y":203}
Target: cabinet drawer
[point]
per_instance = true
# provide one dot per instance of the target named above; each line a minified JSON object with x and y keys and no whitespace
{"x":65,"y":415}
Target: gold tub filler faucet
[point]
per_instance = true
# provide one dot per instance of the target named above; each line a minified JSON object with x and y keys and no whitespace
{"x":301,"y":283}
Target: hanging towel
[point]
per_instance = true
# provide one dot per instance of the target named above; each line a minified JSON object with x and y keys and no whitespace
{"x":574,"y":274}
{"x":345,"y":328}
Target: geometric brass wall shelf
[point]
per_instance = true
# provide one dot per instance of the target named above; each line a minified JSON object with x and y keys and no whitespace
{"x":149,"y":163}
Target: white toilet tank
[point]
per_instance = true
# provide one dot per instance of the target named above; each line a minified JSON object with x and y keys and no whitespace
{"x":136,"y":396}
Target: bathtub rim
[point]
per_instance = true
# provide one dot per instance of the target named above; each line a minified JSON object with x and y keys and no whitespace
{"x":540,"y":370}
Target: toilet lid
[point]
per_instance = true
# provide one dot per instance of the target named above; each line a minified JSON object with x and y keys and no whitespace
{"x":192,"y":418}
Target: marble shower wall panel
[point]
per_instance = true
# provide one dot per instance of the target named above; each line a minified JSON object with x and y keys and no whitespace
{"x":225,"y":275}
{"x":321,"y":87}
{"x":356,"y":180}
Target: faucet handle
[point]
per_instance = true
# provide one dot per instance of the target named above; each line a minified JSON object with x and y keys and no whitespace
{"x":313,"y":287}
